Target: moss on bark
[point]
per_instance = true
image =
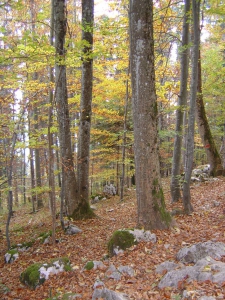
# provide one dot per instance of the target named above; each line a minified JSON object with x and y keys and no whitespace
{"x":159,"y":204}
{"x":83,"y":212}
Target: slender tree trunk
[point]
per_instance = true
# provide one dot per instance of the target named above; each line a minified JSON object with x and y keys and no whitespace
{"x":58,"y":162}
{"x":122,"y":182}
{"x":83,"y":155}
{"x":15,"y":190}
{"x":50,"y":138}
{"x":151,"y":206}
{"x":32,"y":176}
{"x":70,"y":189}
{"x":9,"y":172}
{"x":222,"y":149}
{"x":36,"y":127}
{"x":24,"y":173}
{"x":182,"y":102}
{"x":191,"y":118}
{"x":203,"y":126}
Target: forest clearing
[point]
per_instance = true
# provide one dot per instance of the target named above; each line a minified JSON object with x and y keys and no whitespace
{"x":207,"y":222}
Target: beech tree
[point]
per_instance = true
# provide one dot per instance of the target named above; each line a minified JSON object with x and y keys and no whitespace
{"x":86,"y":102}
{"x":75,"y":194}
{"x":69,"y":184}
{"x":189,"y":154}
{"x":151,"y":206}
{"x":182,"y":102}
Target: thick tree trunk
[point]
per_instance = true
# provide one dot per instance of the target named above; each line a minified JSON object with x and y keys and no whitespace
{"x":191,"y":118}
{"x":182,"y":102}
{"x":70,"y":188}
{"x":151,"y":206}
{"x":83,"y":155}
{"x":203,"y":126}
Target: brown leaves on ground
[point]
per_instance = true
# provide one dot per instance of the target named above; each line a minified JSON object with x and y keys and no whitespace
{"x":207,"y":222}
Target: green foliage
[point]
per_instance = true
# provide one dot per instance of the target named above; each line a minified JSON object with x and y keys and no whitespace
{"x":23,"y":245}
{"x":18,"y":228}
{"x":44,"y":235}
{"x":122,"y":239}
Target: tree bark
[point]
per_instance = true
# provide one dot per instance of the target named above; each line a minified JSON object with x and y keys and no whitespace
{"x":36,"y":121}
{"x":151,"y":206}
{"x":191,"y":118}
{"x":182,"y":102}
{"x":122,"y":182}
{"x":31,"y":158}
{"x":70,"y":188}
{"x":83,"y":155}
{"x":51,"y":175}
{"x":213,"y":156}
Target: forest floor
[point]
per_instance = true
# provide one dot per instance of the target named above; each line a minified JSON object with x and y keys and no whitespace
{"x":207,"y":222}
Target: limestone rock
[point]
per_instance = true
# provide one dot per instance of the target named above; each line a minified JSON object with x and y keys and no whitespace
{"x":194,"y":253}
{"x":72,"y":229}
{"x":107,"y":294}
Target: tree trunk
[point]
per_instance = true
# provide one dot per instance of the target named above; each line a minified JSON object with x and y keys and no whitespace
{"x":24,"y":173}
{"x":32,"y":178}
{"x":151,"y":206}
{"x":57,"y":161}
{"x":15,"y":190}
{"x":83,"y":155}
{"x":182,"y":102}
{"x":203,"y":126}
{"x":51,"y":175}
{"x":36,"y":121}
{"x":70,"y":188}
{"x":191,"y":118}
{"x":222,"y":149}
{"x":122,"y":182}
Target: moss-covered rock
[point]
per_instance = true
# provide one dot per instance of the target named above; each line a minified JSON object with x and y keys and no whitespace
{"x":31,"y":276}
{"x":36,"y":274}
{"x":44,"y":235}
{"x":23,"y":246}
{"x":11,"y":256}
{"x":120,"y":240}
{"x":89,"y":265}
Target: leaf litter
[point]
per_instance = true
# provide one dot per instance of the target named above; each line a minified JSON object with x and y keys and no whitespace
{"x":207,"y":222}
